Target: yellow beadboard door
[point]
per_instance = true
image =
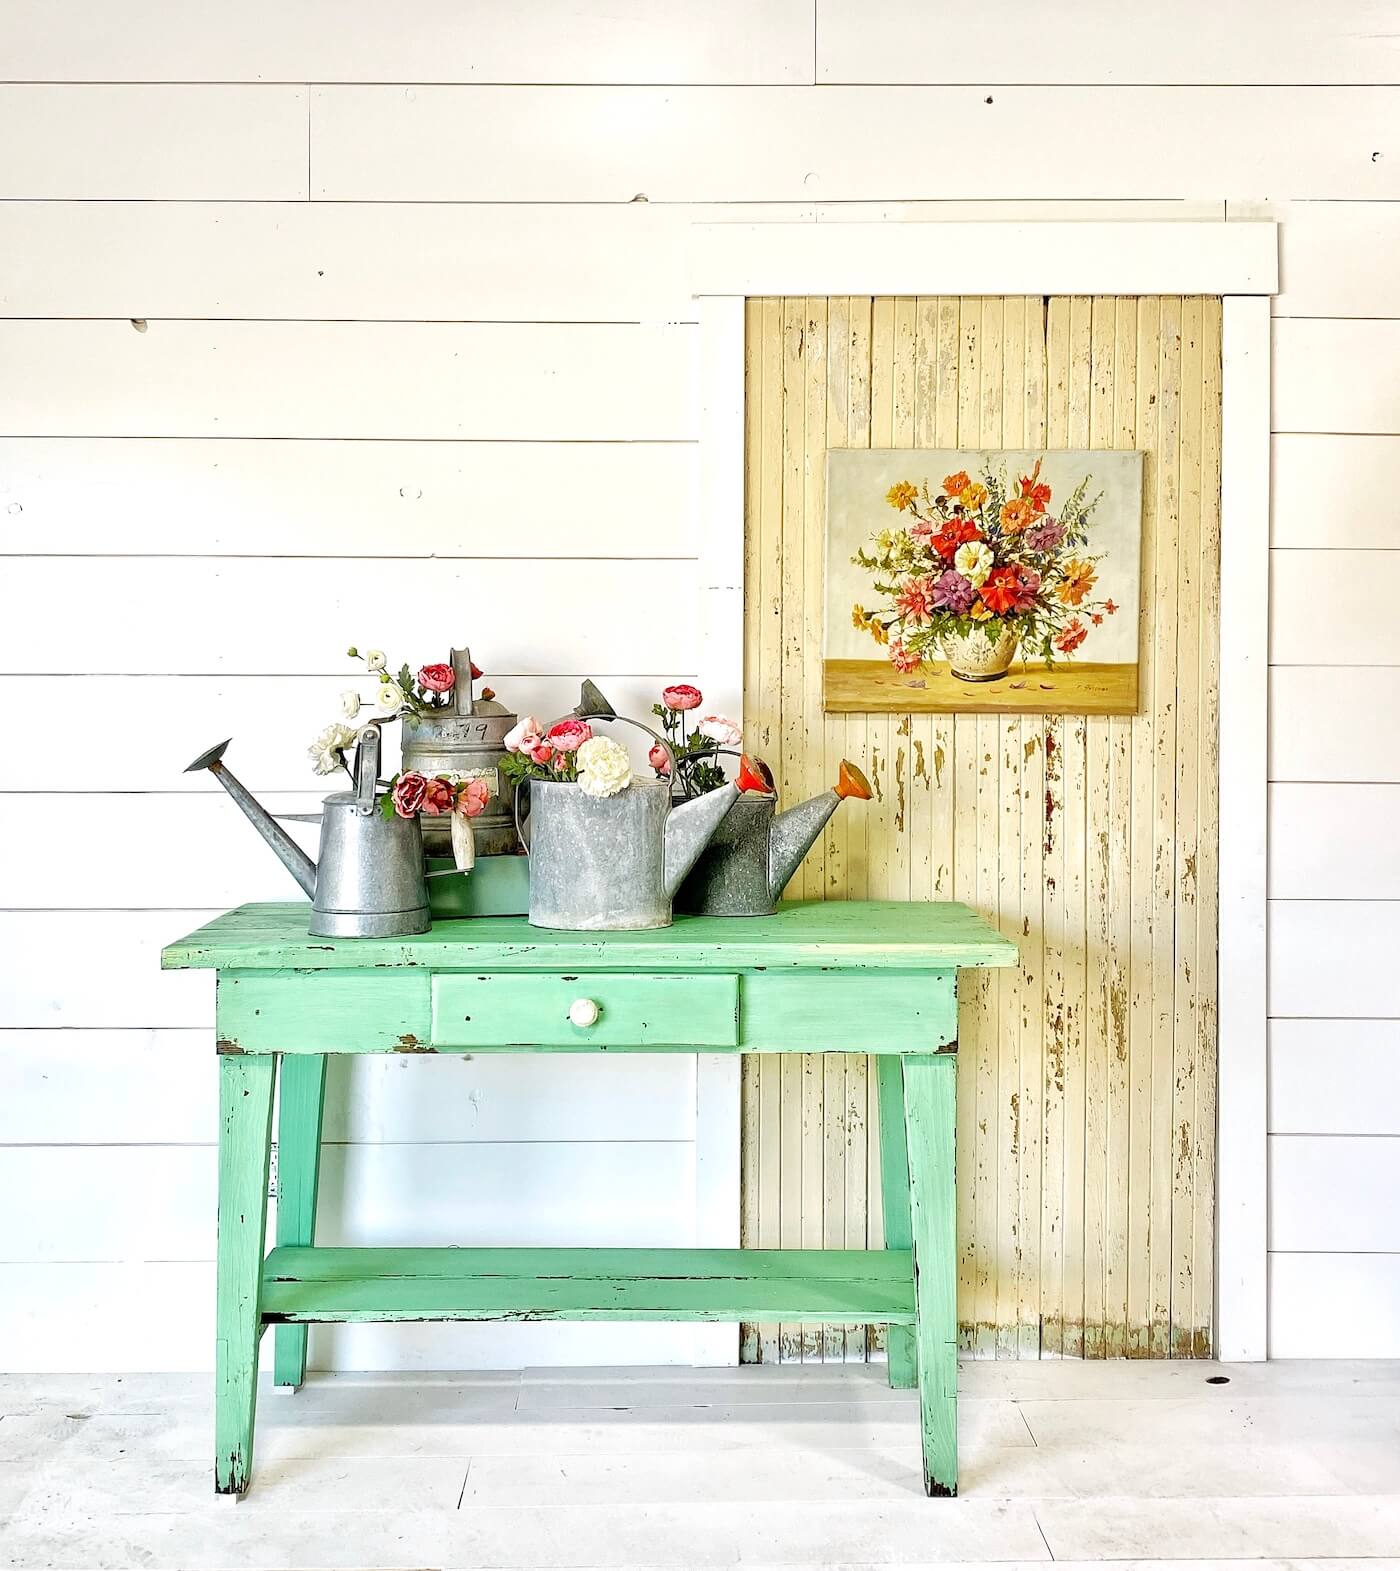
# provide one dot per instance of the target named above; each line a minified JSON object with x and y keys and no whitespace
{"x":1086,"y":1116}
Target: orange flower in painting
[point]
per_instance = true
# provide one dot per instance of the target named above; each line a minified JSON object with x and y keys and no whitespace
{"x":955,"y":485}
{"x":971,"y":496}
{"x":1072,"y":637}
{"x":1033,"y":489}
{"x":1016,"y":515}
{"x":1109,"y":606}
{"x":1079,"y":579}
{"x":981,"y":611}
{"x":902,"y":495}
{"x":956,"y":532}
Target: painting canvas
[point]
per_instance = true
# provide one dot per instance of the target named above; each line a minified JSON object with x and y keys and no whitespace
{"x":983,"y":581}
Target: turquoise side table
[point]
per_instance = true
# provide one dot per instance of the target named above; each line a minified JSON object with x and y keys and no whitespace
{"x":851,"y":976}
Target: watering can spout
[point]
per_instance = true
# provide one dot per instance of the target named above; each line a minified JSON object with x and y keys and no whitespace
{"x":287,"y":851}
{"x":795,"y":831}
{"x":688,"y":829}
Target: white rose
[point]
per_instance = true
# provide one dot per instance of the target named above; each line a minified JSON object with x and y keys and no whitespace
{"x":350,"y":703}
{"x":525,"y":735}
{"x":720,"y":730}
{"x":374,"y":659}
{"x":325,"y":752}
{"x":604,"y":768}
{"x":974,"y":561}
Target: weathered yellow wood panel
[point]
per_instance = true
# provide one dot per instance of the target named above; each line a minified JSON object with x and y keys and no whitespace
{"x":1087,"y":1081}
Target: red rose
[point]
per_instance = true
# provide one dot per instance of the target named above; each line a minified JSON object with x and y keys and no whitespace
{"x":681,"y":696}
{"x":437,"y":798}
{"x":437,"y":678}
{"x":569,"y":735}
{"x":408,"y":792}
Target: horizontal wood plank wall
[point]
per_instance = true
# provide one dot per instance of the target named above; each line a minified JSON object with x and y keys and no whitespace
{"x":1086,"y":1092}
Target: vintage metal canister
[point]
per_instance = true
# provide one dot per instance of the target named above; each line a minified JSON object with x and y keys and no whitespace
{"x":467,"y":737}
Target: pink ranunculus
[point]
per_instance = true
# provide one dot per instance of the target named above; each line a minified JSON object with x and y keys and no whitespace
{"x":541,"y":754}
{"x":659,"y":759}
{"x":921,"y":530}
{"x":475,"y":795}
{"x":408,"y":792}
{"x":681,"y":696}
{"x":568,"y":735}
{"x":437,"y":798}
{"x":525,"y":735}
{"x":437,"y":678}
{"x":720,"y":730}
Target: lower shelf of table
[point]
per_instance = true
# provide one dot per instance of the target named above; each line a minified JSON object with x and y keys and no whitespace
{"x":853,"y":1285}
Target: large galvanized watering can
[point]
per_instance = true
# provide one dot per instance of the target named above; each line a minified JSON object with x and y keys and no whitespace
{"x":368,"y":881}
{"x":613,"y":864}
{"x":756,"y":849}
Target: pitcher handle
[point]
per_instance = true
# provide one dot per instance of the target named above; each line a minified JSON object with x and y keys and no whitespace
{"x":367,"y":769}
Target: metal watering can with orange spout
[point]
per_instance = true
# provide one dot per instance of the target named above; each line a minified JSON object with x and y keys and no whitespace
{"x":752,"y":856}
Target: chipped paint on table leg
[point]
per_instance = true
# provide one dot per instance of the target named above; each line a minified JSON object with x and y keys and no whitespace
{"x":930,"y":1108}
{"x":298,"y":1172}
{"x":245,"y":1142}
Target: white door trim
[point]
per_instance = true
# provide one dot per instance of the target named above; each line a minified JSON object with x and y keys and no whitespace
{"x":1238,"y":261}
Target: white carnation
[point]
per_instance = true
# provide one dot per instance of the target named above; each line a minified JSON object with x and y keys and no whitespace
{"x":974,"y":561}
{"x":604,"y":767}
{"x":326,"y":751}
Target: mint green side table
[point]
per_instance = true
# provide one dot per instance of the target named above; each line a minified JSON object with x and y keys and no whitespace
{"x":854,"y":976}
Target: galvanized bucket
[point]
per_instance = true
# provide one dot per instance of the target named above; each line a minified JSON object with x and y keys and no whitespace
{"x":466,"y":738}
{"x":613,"y":864}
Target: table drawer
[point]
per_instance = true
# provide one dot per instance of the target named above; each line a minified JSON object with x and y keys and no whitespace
{"x":532,"y":1010}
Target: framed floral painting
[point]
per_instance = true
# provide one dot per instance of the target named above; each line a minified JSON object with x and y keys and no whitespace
{"x":983,"y":581}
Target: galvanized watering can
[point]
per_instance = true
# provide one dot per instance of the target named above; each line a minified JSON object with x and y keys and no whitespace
{"x":756,"y":850}
{"x":368,"y":882}
{"x":613,"y":864}
{"x":468,"y":737}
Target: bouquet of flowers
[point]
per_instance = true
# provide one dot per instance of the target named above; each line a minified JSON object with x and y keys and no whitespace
{"x":694,"y":749}
{"x":568,"y":751}
{"x":463,"y":796}
{"x":979,"y":568}
{"x":429,"y":691}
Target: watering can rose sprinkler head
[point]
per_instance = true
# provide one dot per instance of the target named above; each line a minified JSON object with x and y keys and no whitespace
{"x":851,"y":781}
{"x":754,"y":775}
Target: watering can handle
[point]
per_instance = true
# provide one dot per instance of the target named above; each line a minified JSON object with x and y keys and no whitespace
{"x":522,"y":825}
{"x":367,"y":769}
{"x":462,"y":688}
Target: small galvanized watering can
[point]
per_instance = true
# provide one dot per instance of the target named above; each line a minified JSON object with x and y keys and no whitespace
{"x":368,"y":882}
{"x":465,"y":738}
{"x":756,"y":850}
{"x":612,"y":864}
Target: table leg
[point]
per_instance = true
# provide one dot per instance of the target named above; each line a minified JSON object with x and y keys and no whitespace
{"x":930,"y":1109}
{"x":245,"y":1139}
{"x":894,"y":1196}
{"x":298,"y":1171}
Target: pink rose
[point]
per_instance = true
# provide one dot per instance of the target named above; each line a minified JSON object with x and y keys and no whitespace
{"x":569,"y":735}
{"x":475,"y":795}
{"x":682,"y":696}
{"x":720,"y":730}
{"x":437,"y":678}
{"x":541,"y":754}
{"x":659,"y":759}
{"x":408,"y":792}
{"x":437,"y":798}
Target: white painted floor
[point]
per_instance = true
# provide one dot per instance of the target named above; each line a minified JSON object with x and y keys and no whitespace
{"x":815,"y":1466}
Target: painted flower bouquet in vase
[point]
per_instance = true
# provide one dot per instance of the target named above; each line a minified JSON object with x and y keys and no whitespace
{"x":980,"y":569}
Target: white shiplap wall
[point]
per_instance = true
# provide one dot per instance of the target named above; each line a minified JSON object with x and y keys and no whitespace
{"x":296,"y":298}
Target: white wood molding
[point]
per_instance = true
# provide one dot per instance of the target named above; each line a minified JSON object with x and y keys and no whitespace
{"x":1238,"y":261}
{"x":985,"y":259}
{"x":1242,"y":1200}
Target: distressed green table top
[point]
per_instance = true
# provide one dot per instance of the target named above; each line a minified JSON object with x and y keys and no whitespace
{"x":813,"y":935}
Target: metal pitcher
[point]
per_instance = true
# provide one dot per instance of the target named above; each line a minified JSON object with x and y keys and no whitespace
{"x":368,"y":880}
{"x":612,"y":864}
{"x":467,"y":737}
{"x":755,"y":851}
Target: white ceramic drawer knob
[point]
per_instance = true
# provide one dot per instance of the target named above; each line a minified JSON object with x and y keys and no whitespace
{"x":583,"y":1012}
